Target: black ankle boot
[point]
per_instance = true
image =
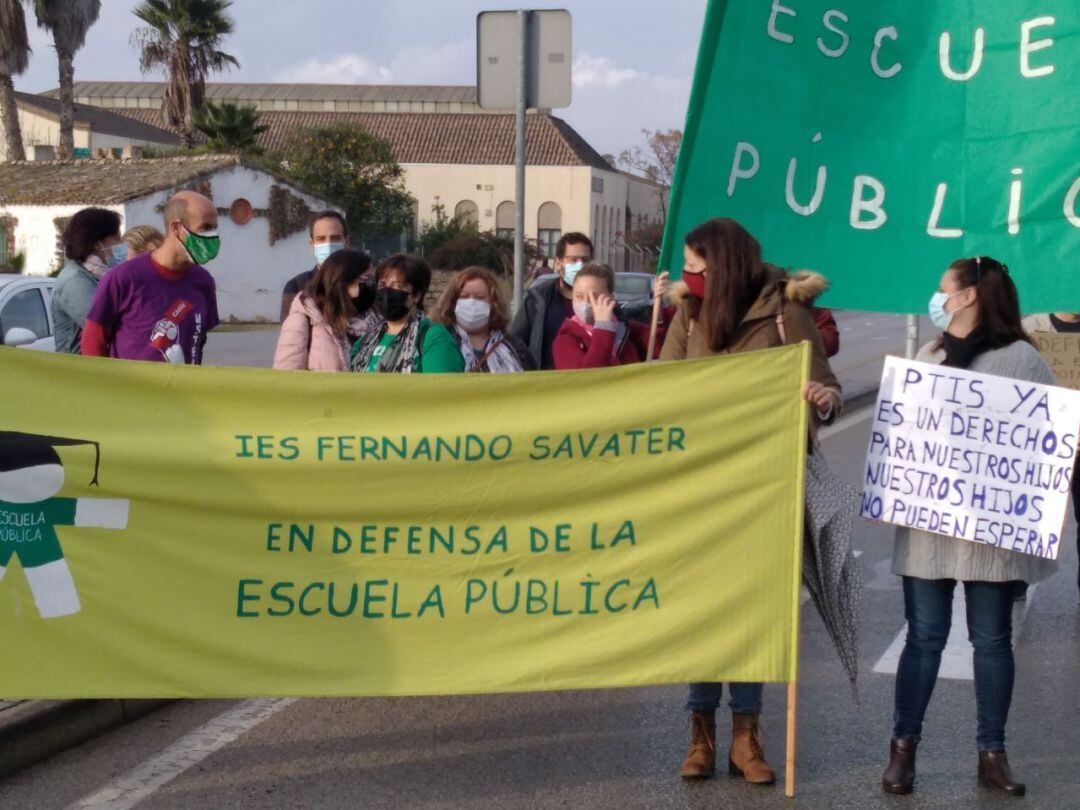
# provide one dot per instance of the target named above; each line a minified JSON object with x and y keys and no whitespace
{"x":995,"y":773}
{"x":900,"y":775}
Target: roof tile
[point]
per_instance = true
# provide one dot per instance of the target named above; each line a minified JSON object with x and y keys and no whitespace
{"x":101,"y":182}
{"x":454,"y":138}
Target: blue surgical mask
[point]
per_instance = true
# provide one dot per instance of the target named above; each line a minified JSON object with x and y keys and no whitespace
{"x":324,"y":249}
{"x":117,"y":253}
{"x":940,"y":316}
{"x":570,"y":271}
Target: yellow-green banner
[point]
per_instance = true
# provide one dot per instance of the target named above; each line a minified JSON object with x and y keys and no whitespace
{"x":176,"y":531}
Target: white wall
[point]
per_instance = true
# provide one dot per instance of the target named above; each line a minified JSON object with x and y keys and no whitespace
{"x":249,"y":271}
{"x":571,"y":187}
{"x":566,"y":185}
{"x":43,"y":130}
{"x":36,"y":236}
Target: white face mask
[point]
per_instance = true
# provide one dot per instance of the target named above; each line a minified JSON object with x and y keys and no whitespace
{"x":472,"y":314}
{"x":939,"y":315}
{"x":584,"y":312}
{"x":570,"y":271}
{"x":96,"y":265}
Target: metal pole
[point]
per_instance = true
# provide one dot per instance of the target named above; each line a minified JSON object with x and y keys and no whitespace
{"x":519,"y":210}
{"x":912,"y":336}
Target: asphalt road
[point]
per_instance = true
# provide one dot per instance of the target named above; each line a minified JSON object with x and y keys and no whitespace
{"x":606,"y":749}
{"x":865,"y":339}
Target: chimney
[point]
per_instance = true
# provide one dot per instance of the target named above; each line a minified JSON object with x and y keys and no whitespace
{"x":44,"y":152}
{"x":132,"y":152}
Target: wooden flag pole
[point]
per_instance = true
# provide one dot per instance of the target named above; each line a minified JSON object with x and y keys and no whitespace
{"x":792,"y":712}
{"x":796,"y":591}
{"x":658,"y":300}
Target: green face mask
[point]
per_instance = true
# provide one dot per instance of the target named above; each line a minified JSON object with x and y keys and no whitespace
{"x":202,"y":247}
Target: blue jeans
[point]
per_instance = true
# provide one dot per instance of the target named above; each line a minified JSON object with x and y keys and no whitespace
{"x":706,"y":697}
{"x":928,"y":608}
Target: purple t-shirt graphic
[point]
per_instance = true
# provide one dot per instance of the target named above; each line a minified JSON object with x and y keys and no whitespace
{"x":151,"y":315}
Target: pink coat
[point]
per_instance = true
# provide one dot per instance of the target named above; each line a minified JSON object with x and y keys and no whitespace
{"x":308,"y":342}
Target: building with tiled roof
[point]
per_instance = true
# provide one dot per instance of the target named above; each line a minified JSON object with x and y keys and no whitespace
{"x":465,"y":163}
{"x":95,"y":130}
{"x":263,"y":219}
{"x":480,"y":139}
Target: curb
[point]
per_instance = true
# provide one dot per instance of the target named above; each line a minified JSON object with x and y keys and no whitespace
{"x":861,"y":399}
{"x":38,"y":729}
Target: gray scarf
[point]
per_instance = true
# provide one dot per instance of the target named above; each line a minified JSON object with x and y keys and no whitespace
{"x":401,"y":357}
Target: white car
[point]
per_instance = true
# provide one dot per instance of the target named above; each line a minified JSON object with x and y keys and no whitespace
{"x":26,"y":312}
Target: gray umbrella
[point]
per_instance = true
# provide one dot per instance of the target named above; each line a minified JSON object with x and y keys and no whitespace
{"x":830,"y":571}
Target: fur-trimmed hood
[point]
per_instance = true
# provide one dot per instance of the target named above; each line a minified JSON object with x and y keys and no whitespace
{"x":801,"y":287}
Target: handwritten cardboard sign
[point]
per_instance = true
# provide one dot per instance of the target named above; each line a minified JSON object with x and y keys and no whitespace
{"x":973,"y":456}
{"x":1062,"y":352}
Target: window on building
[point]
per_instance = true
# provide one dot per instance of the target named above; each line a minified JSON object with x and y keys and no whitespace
{"x":468,"y":211}
{"x":3,"y":242}
{"x":26,"y":310}
{"x":504,"y":219}
{"x":549,"y":227}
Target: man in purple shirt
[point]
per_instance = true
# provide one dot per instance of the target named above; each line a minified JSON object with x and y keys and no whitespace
{"x":159,"y":306}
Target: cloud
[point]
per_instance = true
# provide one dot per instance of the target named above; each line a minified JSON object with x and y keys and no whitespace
{"x":344,"y":69}
{"x":604,"y":91}
{"x":450,"y":63}
{"x":592,"y":71}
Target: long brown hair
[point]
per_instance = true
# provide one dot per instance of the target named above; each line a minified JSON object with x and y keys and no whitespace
{"x":997,"y":300}
{"x":734,"y":277}
{"x":444,"y":309}
{"x":329,"y":290}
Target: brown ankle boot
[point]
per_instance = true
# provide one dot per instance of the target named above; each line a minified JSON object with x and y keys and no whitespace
{"x":747,"y":757}
{"x":700,"y":763}
{"x":899,"y":776}
{"x":994,"y":772}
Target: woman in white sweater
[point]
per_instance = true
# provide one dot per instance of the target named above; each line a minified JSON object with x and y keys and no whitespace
{"x":978,"y":310}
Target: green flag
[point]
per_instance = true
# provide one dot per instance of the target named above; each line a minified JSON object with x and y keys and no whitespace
{"x":877,"y":140}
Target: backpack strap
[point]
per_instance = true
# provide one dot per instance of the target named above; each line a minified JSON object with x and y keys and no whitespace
{"x":479,"y":367}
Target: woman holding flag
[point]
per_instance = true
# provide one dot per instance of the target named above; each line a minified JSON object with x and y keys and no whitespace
{"x":730,"y":301}
{"x":978,"y":310}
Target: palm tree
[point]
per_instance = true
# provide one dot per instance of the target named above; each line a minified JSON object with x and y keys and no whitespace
{"x":183,"y":37}
{"x":230,"y":127}
{"x":14,"y":57}
{"x":67,"y":21}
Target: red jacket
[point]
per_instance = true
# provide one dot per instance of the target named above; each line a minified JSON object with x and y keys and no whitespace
{"x":575,"y":348}
{"x":830,"y":333}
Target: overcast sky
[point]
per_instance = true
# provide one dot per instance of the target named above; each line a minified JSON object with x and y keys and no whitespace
{"x":632,"y":62}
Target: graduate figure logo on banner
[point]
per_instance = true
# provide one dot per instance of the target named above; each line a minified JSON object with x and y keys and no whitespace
{"x":31,"y":476}
{"x":876,"y":142}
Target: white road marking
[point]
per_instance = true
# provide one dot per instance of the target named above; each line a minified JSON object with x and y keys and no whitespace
{"x":957,"y":659}
{"x":144,"y":779}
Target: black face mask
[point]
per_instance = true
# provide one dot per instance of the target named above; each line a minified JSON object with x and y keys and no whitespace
{"x":392,"y":304}
{"x":365,"y":300}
